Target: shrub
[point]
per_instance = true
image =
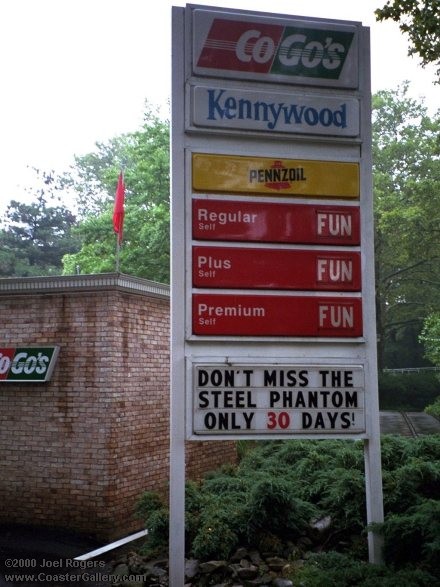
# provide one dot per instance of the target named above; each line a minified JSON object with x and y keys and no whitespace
{"x":407,"y":391}
{"x":413,"y":481}
{"x":343,"y":498}
{"x":215,"y":537}
{"x":153,"y":510}
{"x":434,"y":408}
{"x":413,"y":537}
{"x":333,"y":568}
{"x":272,"y":497}
{"x":220,"y":524}
{"x":274,"y":507}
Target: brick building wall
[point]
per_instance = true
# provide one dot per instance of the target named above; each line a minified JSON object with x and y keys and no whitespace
{"x":79,"y":450}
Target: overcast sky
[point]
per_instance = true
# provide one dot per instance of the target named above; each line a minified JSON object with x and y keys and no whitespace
{"x":74,"y":72}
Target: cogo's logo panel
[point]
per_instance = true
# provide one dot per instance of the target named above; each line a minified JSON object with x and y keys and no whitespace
{"x":274,"y":50}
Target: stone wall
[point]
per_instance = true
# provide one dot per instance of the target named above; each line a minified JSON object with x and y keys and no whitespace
{"x":78,"y":451}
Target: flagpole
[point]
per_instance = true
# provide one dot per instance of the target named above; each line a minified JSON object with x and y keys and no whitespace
{"x":118,"y":250}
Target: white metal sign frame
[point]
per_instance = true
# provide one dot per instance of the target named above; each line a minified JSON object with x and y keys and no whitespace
{"x":193,"y":132}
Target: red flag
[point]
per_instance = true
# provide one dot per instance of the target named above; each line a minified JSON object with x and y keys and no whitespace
{"x":118,"y":211}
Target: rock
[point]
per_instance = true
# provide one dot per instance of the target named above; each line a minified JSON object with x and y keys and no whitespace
{"x":249,"y":572}
{"x":121,"y":570}
{"x":136,"y":563}
{"x":157,"y":572}
{"x":162,"y":563}
{"x":263,"y":581}
{"x":212,"y":566}
{"x":322,"y":524}
{"x":279,"y":582}
{"x":191,"y":568}
{"x":255,"y":557}
{"x":247,"y":567}
{"x":239,"y":554}
{"x":276,"y":563}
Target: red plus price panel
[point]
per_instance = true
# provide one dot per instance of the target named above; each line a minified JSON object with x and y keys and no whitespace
{"x":284,"y":250}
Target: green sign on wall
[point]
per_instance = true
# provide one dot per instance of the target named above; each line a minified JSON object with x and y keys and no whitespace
{"x":29,"y":364}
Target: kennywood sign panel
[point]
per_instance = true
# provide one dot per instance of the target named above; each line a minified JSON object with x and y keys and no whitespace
{"x":242,"y":109}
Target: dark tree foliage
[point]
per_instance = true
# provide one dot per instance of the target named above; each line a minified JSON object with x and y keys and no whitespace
{"x":406,"y":172}
{"x":36,"y":236}
{"x":421,"y":21}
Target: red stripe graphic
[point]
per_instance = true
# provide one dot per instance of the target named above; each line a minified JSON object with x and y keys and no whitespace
{"x":6,"y":358}
{"x":240,"y":46}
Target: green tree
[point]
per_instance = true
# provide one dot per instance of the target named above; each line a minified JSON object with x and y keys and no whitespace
{"x":430,"y":337}
{"x":144,"y":156}
{"x":35,"y":237}
{"x":421,"y":21}
{"x":406,"y":170}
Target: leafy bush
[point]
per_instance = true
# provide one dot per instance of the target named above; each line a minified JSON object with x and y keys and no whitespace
{"x":334,"y":568}
{"x":215,"y":537}
{"x":221,"y":523}
{"x":274,"y":507}
{"x":434,"y":408}
{"x":280,"y":488}
{"x":154,"y":511}
{"x":413,"y":537}
{"x":407,"y":391}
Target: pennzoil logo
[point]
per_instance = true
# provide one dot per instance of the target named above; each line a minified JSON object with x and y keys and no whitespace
{"x":277,"y":176}
{"x":275,"y":49}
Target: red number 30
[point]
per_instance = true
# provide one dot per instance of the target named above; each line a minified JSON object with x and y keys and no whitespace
{"x":275,"y":420}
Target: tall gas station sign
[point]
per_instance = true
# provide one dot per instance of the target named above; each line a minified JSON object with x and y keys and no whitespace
{"x":273,"y":320}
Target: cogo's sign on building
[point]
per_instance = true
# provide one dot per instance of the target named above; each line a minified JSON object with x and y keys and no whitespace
{"x":27,"y":364}
{"x":236,"y":46}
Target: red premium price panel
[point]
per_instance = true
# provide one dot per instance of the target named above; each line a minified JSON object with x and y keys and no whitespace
{"x":264,"y":268}
{"x":253,"y":221}
{"x":276,"y":315}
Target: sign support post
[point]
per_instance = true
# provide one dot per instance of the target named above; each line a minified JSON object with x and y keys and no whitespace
{"x":273,"y":309}
{"x":177,"y":396}
{"x":372,"y":452}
